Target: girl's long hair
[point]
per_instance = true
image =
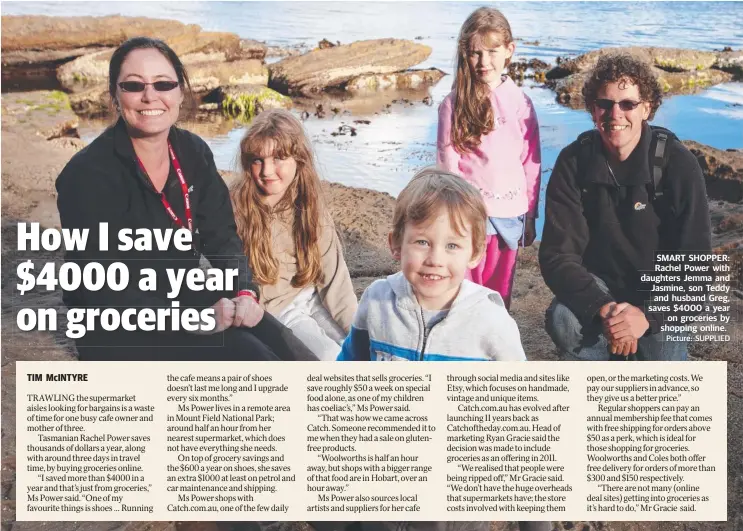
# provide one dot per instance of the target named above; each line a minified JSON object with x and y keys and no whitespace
{"x":472,"y":115}
{"x":302,"y":200}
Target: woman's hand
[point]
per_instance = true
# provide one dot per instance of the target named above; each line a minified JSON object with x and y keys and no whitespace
{"x":530,"y":231}
{"x":224,"y":313}
{"x":247,"y":311}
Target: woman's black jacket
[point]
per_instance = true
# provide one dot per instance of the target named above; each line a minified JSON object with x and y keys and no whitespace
{"x":103,"y":183}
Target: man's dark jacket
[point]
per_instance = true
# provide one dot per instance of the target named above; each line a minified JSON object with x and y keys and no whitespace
{"x":613,"y":229}
{"x":103,"y":183}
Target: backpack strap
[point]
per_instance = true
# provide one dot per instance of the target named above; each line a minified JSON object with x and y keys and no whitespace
{"x":659,"y":157}
{"x":585,"y":152}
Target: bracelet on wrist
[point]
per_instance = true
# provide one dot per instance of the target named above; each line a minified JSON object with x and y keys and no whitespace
{"x":248,"y":293}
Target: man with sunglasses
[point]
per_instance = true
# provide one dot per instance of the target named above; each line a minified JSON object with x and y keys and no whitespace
{"x":616,"y":196}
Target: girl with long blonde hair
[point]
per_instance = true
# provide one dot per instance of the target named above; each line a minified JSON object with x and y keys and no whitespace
{"x":489,"y":135}
{"x":288,"y":235}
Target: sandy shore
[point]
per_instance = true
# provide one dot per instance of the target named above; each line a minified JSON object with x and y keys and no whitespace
{"x":33,"y":154}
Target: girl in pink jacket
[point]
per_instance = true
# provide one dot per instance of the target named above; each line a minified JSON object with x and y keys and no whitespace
{"x":489,"y":135}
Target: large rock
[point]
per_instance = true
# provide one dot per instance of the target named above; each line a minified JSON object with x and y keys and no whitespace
{"x":41,"y":57}
{"x":81,"y":47}
{"x":723,"y":171}
{"x":85,"y":72}
{"x":206,"y":71}
{"x":569,"y":89}
{"x":244,"y":72}
{"x":409,"y":79}
{"x":207,"y":62}
{"x":318,"y":70}
{"x":668,"y":59}
{"x":210,"y":42}
{"x":39,"y":32}
{"x":28,"y":69}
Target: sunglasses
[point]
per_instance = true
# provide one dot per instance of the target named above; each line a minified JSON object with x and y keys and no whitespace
{"x":625,"y":105}
{"x":139,"y":86}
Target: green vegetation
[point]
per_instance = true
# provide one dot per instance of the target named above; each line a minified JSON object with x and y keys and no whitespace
{"x":680,"y":65}
{"x":52,"y":102}
{"x":60,"y":98}
{"x":245,"y":106}
{"x":669,"y":65}
{"x":371,"y":82}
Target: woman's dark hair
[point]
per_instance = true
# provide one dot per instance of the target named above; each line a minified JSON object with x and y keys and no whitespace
{"x":138,"y":43}
{"x":612,"y":68}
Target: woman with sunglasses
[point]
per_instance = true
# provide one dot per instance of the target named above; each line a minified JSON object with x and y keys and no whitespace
{"x":616,"y":196}
{"x":145,"y":173}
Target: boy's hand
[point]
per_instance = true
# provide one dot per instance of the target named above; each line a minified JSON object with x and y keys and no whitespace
{"x":530,"y":231}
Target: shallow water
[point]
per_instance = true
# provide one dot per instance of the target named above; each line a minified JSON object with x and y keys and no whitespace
{"x":384,"y":154}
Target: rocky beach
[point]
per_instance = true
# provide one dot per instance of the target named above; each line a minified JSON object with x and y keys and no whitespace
{"x":58,"y":66}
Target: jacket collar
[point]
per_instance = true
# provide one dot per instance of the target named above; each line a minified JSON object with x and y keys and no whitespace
{"x":124,"y":148}
{"x":123,"y":144}
{"x":469,"y":294}
{"x":636,"y":169}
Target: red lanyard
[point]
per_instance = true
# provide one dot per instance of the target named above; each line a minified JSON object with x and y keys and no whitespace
{"x":184,"y":189}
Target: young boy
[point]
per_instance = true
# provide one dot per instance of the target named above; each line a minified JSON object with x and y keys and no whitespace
{"x":428,"y":311}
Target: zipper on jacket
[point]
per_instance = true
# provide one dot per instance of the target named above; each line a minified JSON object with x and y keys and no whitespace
{"x":426,"y":332}
{"x":611,"y":173}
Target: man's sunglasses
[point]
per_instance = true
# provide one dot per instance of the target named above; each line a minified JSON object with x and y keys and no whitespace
{"x":139,"y":86}
{"x":625,"y":105}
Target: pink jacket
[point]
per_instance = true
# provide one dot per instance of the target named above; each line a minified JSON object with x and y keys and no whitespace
{"x":506,"y":166}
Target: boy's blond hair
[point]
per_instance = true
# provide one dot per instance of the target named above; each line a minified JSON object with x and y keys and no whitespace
{"x":427,"y":192}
